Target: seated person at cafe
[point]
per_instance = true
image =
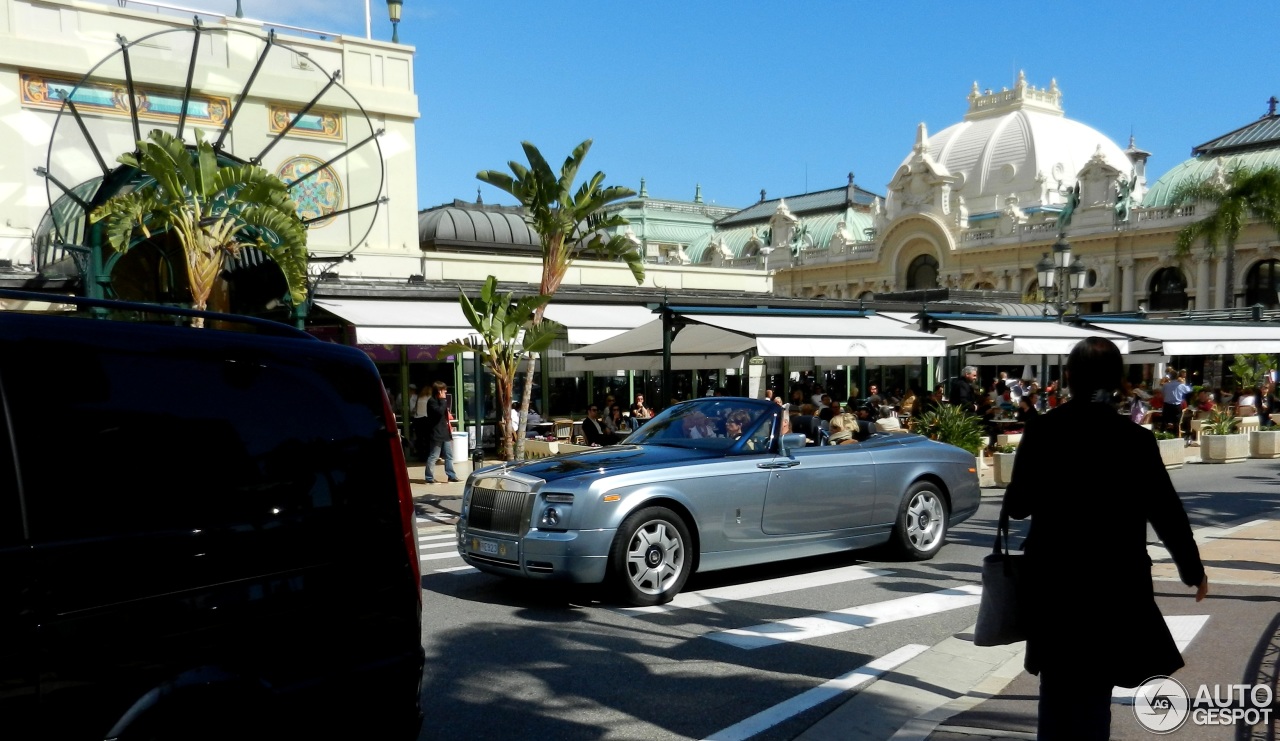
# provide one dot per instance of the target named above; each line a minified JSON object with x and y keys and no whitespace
{"x":1027,"y":406}
{"x":594,"y":431}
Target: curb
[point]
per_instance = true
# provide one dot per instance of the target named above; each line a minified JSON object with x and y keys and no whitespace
{"x":910,"y":702}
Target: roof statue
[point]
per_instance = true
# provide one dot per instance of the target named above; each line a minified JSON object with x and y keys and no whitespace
{"x":1124,"y":196}
{"x":1072,"y":194}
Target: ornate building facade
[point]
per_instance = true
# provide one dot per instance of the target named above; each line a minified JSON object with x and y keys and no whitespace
{"x":977,"y":205}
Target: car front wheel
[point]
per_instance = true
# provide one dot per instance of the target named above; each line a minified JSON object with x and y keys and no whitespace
{"x":650,"y":558}
{"x":922,"y":522}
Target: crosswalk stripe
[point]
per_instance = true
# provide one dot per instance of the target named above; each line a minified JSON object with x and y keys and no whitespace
{"x":704,"y":597}
{"x":852,"y":618}
{"x":446,"y":544}
{"x":446,"y":536}
{"x":437,"y":556}
{"x":771,"y":717}
{"x":1184,"y":629}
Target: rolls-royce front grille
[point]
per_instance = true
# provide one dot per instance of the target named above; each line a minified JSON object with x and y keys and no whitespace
{"x":498,"y":511}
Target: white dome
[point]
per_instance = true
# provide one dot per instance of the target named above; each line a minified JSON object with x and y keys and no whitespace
{"x":1017,"y":143}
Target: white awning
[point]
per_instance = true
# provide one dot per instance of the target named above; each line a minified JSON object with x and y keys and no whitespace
{"x":1199,"y":338}
{"x":401,"y":322}
{"x":714,"y":338}
{"x":591,"y":323}
{"x":1019,"y":337}
{"x":440,"y":322}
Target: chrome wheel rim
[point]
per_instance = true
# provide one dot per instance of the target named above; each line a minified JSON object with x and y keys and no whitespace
{"x":925,"y":520}
{"x":655,"y":557}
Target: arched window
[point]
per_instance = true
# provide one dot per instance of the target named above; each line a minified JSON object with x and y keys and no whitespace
{"x":1262,"y":283}
{"x":1168,"y":290}
{"x":922,"y":273}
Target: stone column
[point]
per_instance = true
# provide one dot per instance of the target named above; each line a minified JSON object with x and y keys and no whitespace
{"x":1220,"y":285}
{"x":1127,"y":299}
{"x":1203,"y":291}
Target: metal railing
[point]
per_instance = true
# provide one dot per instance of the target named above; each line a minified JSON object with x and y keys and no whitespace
{"x":323,"y":35}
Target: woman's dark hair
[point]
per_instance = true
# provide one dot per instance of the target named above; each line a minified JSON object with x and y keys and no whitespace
{"x":1094,"y":365}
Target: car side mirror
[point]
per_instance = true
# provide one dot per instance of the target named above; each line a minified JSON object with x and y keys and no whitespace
{"x":793,"y":440}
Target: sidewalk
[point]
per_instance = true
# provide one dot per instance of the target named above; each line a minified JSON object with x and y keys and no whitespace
{"x":439,"y":502}
{"x":920,"y":700}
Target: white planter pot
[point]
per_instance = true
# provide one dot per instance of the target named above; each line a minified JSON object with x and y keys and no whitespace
{"x":1224,"y":448}
{"x":1004,"y":468}
{"x":1173,"y":453}
{"x":986,"y":475}
{"x":1264,"y":444}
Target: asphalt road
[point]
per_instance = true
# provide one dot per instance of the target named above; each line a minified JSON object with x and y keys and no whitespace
{"x":517,"y":659}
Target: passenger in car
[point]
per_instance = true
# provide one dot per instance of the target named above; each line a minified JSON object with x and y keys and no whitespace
{"x":698,"y":425}
{"x":842,"y":429}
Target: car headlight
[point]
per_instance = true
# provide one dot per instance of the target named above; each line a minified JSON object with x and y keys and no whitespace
{"x":550,"y":517}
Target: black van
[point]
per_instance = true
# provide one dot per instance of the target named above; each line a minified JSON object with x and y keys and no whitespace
{"x":203,"y":534}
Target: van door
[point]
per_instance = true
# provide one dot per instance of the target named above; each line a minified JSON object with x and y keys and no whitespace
{"x":17,"y":624}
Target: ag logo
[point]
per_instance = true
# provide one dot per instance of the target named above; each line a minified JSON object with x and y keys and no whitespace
{"x":1161,"y":704}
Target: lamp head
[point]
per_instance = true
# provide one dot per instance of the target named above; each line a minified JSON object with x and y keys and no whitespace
{"x":1062,"y":252}
{"x":393,"y":9}
{"x":1078,"y":274}
{"x":1044,"y":272}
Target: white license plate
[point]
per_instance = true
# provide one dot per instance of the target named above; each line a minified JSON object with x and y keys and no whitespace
{"x":487,"y":547}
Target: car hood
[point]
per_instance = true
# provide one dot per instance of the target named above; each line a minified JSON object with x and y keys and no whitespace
{"x":612,"y":459}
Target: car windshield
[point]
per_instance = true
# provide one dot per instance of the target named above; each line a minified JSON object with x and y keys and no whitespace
{"x":716,"y":422}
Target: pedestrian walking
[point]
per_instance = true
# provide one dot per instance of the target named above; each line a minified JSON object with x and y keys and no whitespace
{"x":1093,"y":622}
{"x":439,"y":436}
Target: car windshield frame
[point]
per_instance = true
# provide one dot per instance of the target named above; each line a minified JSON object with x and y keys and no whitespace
{"x":702,"y":424}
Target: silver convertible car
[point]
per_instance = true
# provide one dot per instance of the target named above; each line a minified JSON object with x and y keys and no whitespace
{"x":713,"y":483}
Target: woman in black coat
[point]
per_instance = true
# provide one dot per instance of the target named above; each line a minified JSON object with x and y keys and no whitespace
{"x":1093,"y":619}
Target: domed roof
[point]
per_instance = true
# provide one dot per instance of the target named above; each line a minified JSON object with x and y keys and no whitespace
{"x":463,"y":225}
{"x":1252,"y":146}
{"x":1017,"y":143}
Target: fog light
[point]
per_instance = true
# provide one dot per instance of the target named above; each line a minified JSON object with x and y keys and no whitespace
{"x":551,"y":517}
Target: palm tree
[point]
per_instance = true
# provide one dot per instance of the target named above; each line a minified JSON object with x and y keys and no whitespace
{"x":569,"y":224}
{"x":1239,"y":195}
{"x":506,"y":333}
{"x":212,"y":210}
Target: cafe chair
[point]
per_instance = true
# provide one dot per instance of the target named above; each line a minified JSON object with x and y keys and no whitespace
{"x":564,"y":429}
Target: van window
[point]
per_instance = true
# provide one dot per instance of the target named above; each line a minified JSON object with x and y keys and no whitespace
{"x":128,"y":438}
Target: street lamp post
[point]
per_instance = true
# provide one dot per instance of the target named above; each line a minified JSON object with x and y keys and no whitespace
{"x":393,"y":10}
{"x":1061,"y":280}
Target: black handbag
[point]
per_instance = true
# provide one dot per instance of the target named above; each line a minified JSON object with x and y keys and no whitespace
{"x":1001,"y":611}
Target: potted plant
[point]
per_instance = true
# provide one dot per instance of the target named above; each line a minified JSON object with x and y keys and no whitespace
{"x":1172,"y":449}
{"x":1004,"y":457}
{"x":1220,"y":439}
{"x":955,"y":426}
{"x":1264,"y":443}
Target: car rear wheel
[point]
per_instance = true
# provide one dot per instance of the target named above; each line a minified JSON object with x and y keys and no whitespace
{"x":922,"y":522}
{"x":650,"y":557}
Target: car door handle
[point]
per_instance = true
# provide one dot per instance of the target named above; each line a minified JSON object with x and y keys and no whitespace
{"x":778,"y":464}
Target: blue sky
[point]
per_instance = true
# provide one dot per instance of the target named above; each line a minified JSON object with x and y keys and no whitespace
{"x":792,"y":96}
